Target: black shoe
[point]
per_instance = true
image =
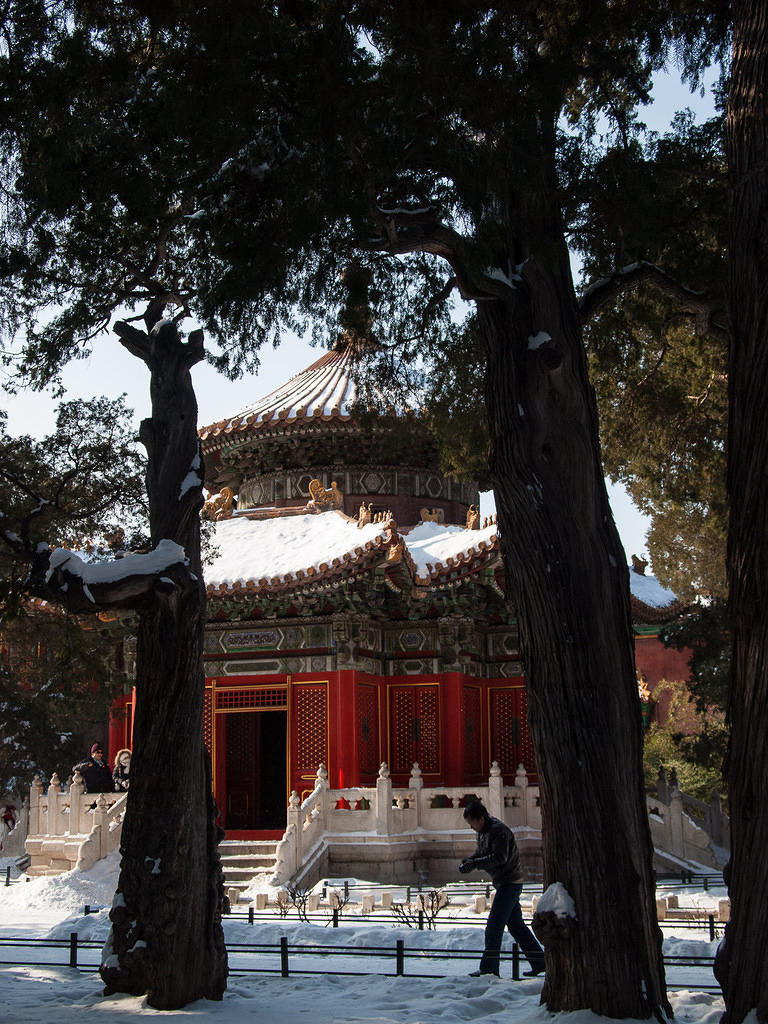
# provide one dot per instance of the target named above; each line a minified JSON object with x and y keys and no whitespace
{"x":534,"y":972}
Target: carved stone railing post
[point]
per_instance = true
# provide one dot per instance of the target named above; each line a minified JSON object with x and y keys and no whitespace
{"x":323,"y":801}
{"x":383,"y":802}
{"x":521,"y":785}
{"x":100,"y":816}
{"x":496,"y":792}
{"x":295,"y":819}
{"x":715,"y":820}
{"x":677,"y":841}
{"x":76,"y":790}
{"x":35,"y":800}
{"x":55,"y":824}
{"x":416,"y":784}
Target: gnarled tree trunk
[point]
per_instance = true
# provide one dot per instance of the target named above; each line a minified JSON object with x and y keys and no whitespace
{"x":568,"y":581}
{"x":166,"y":938}
{"x":742,"y":962}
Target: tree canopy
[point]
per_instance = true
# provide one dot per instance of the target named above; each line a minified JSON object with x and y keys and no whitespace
{"x":81,"y":487}
{"x":353,"y":166}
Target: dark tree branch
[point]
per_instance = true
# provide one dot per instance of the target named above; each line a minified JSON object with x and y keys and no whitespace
{"x":137,"y":342}
{"x":402,"y":231}
{"x":693,"y":304}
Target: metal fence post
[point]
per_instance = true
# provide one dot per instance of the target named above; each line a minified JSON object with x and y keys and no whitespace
{"x":250,"y":915}
{"x":515,"y":962}
{"x":73,"y":949}
{"x":711,"y":927}
{"x":284,"y":956}
{"x":400,"y":958}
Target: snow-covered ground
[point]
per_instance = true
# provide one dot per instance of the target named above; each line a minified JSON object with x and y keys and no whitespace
{"x":443,"y":993}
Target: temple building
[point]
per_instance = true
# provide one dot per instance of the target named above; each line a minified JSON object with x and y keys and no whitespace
{"x":356,"y":608}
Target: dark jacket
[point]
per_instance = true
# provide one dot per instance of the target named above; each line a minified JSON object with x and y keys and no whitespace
{"x":497,"y":854}
{"x":97,"y":777}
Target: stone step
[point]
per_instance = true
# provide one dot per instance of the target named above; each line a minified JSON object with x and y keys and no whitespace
{"x":234,"y":848}
{"x":244,"y":860}
{"x":248,"y":860}
{"x":246,"y":877}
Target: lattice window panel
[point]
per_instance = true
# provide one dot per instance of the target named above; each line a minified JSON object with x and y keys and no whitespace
{"x":527,"y":756}
{"x":415,"y":728}
{"x":311,"y":716}
{"x":208,"y":720}
{"x":402,"y":705}
{"x":507,"y":746}
{"x":368,"y":729}
{"x":230,"y":700}
{"x":240,"y":743}
{"x":429,"y":715}
{"x":472,"y":738}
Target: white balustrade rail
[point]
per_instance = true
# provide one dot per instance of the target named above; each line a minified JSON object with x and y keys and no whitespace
{"x":69,"y":827}
{"x":419,"y":814}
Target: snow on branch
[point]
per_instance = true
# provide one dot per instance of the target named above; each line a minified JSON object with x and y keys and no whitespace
{"x":643,"y":274}
{"x":63,"y":577}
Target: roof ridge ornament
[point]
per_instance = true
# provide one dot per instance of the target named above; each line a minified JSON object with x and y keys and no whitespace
{"x":322,"y":500}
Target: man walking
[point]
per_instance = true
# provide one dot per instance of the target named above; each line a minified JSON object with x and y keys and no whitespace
{"x":497,"y":854}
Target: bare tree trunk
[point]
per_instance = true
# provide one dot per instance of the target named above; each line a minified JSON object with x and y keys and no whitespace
{"x":742,"y":960}
{"x":568,"y":581}
{"x":166,"y":938}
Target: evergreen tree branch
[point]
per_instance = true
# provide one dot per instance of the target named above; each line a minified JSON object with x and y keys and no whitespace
{"x":692,"y":303}
{"x":402,"y":231}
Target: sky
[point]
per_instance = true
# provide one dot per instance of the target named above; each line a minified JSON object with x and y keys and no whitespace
{"x":444,"y":994}
{"x":110,"y":370}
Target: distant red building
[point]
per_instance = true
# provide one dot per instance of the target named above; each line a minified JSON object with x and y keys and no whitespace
{"x":349,"y":622}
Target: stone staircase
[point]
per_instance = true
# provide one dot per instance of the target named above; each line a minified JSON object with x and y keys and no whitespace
{"x":244,"y":860}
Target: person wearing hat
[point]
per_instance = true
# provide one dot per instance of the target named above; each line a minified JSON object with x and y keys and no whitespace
{"x":95,"y":772}
{"x":122,"y":770}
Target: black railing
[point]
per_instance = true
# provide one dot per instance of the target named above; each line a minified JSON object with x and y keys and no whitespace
{"x":78,"y":954}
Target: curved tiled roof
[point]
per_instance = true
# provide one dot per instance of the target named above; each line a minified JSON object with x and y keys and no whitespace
{"x":309,"y":550}
{"x":284,"y":553}
{"x":324,"y":392}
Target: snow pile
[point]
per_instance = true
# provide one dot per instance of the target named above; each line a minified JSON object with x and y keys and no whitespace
{"x":68,"y":893}
{"x":558,"y":900}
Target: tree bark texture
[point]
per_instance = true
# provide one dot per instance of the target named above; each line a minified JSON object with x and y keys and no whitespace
{"x":166,"y":939}
{"x":742,"y":962}
{"x":568,"y":580}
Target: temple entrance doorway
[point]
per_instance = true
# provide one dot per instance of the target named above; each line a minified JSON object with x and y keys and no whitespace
{"x":255,"y":763}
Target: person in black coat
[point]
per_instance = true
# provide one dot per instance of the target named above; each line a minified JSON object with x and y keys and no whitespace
{"x":497,"y":854}
{"x":95,"y":772}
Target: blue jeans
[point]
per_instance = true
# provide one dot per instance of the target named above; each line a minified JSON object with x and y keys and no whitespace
{"x":505,"y":912}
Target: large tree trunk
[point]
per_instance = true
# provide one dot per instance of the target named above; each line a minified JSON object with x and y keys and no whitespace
{"x":568,"y":581}
{"x":166,"y":938}
{"x":742,"y":964}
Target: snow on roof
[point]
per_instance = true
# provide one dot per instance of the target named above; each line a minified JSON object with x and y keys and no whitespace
{"x":430,"y":543}
{"x":256,"y":549}
{"x":648,"y":590}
